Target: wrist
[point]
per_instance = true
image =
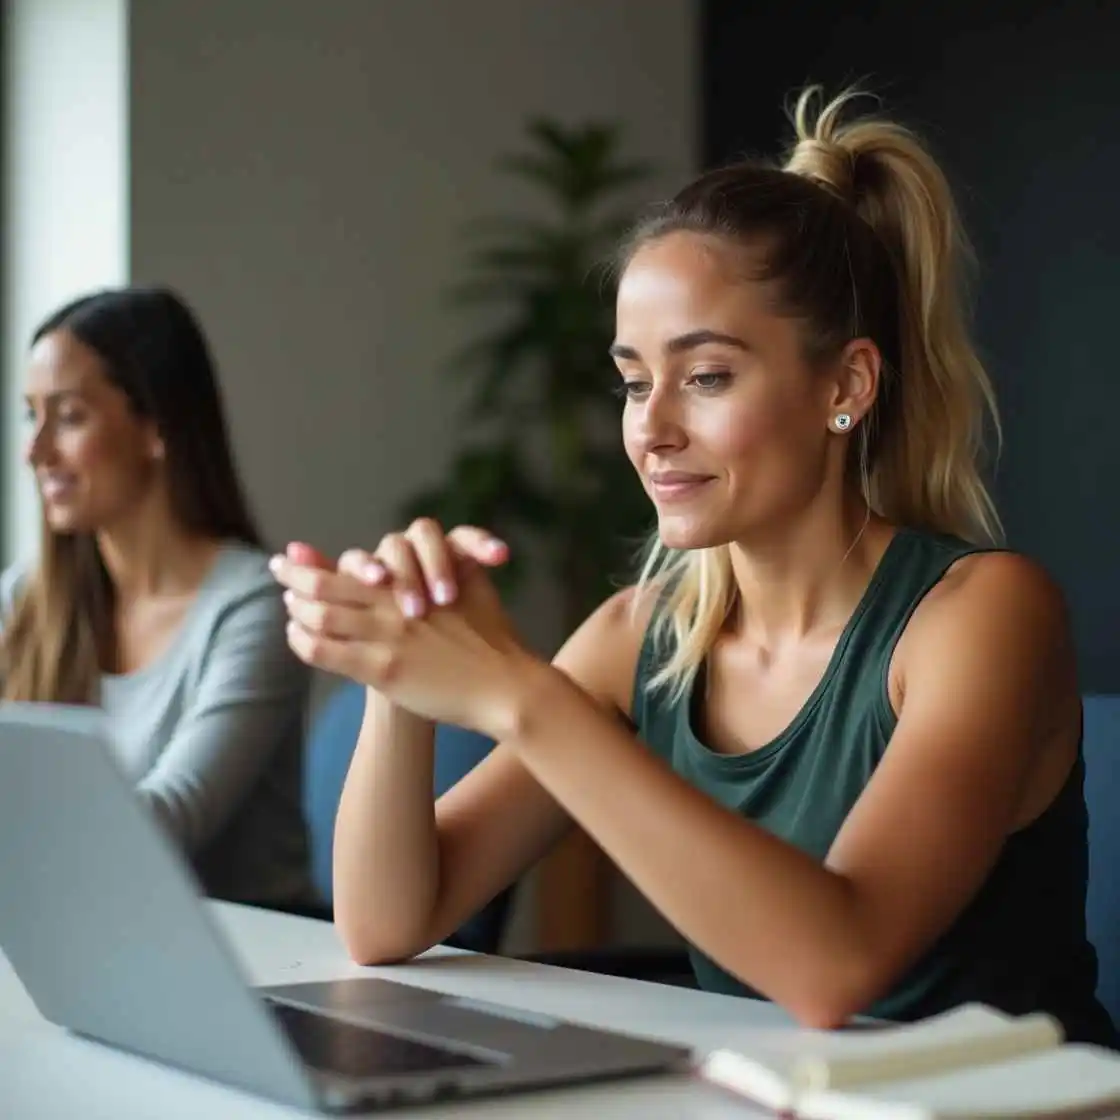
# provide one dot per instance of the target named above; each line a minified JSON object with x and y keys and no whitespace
{"x":394,"y":719}
{"x":535,"y":688}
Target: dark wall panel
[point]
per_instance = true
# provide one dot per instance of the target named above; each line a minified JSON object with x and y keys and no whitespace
{"x":1022,"y":103}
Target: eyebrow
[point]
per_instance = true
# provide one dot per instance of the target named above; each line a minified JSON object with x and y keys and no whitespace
{"x":53,"y":394}
{"x":682,"y":343}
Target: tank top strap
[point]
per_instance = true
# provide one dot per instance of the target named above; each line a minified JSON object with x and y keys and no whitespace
{"x":914,"y":563}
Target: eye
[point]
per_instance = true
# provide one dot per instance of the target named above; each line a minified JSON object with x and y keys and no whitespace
{"x":710,"y":379}
{"x":631,"y":390}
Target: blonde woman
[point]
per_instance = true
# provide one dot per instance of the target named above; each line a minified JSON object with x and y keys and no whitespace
{"x":833,"y":733}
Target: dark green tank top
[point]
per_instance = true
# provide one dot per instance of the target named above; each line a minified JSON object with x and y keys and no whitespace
{"x":1021,"y":944}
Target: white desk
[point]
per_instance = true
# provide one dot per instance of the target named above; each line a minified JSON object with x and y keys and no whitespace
{"x":47,"y":1073}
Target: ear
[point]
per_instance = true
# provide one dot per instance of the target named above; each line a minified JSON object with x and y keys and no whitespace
{"x":856,"y":383}
{"x":157,"y":449}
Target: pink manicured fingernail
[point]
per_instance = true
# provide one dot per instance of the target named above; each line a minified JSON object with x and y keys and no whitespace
{"x":443,"y":592}
{"x":412,"y":605}
{"x":373,"y":572}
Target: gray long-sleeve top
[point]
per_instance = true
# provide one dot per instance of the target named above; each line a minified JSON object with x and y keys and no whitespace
{"x":211,"y":733}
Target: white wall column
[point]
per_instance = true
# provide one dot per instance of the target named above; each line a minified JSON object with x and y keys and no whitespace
{"x":66,"y":191}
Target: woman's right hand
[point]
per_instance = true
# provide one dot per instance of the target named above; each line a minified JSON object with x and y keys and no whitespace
{"x":423,"y":566}
{"x":366,"y":620}
{"x":342,"y":614}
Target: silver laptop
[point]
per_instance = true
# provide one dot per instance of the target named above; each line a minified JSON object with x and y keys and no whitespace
{"x":102,"y":920}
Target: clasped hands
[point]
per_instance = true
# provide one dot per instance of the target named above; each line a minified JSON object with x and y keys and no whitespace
{"x":418,"y":620}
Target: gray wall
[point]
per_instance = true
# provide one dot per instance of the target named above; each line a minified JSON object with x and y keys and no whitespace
{"x":301,"y":170}
{"x":1022,"y":101}
{"x":304,"y":179}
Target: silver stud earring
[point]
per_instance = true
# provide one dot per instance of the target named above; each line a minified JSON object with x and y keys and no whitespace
{"x":842,"y":422}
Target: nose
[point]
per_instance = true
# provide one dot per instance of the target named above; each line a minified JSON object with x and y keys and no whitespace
{"x":658,"y":425}
{"x":38,"y":448}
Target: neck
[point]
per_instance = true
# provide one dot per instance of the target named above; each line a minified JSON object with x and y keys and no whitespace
{"x":795,"y":580}
{"x":150,"y":553}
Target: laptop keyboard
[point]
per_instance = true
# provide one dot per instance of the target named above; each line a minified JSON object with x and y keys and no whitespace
{"x":347,"y":1050}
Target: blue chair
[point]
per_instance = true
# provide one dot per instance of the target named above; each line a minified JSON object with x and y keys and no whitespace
{"x":1102,"y":797}
{"x":334,"y":734}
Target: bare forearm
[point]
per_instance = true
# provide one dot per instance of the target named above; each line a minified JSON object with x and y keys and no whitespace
{"x":763,"y":910}
{"x":386,"y":853}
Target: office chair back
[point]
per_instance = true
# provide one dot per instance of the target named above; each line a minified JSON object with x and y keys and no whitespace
{"x":1102,"y":796}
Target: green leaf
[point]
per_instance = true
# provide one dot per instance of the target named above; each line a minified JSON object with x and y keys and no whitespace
{"x":540,"y":448}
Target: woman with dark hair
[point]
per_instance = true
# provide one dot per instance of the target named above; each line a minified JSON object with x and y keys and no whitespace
{"x":151,"y":596}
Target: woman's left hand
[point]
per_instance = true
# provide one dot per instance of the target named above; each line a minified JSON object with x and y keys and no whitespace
{"x":461,"y":663}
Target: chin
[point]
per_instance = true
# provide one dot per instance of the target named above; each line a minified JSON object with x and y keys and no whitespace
{"x":684,"y":536}
{"x":66,"y":522}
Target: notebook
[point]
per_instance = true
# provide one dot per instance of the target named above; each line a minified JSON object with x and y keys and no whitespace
{"x":972,"y":1063}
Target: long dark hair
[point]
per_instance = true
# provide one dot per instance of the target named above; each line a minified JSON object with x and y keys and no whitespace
{"x":62,"y":631}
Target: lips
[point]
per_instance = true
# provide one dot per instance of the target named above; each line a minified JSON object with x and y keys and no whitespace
{"x":675,"y":485}
{"x":55,"y":487}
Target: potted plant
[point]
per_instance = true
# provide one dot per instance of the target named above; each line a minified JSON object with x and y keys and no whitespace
{"x":541,"y":457}
{"x":540,"y":449}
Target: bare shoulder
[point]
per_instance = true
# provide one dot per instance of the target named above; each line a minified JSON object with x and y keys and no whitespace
{"x":1006,"y":589}
{"x":602,"y":655}
{"x":1000,"y":606}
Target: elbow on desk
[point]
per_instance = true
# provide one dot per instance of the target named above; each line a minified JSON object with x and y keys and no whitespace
{"x":821,"y":1014}
{"x":371,"y":946}
{"x":843,"y":993}
{"x":827,"y":1008}
{"x":379,"y":959}
{"x":370,"y":952}
{"x":836,"y":972}
{"x":829,"y":992}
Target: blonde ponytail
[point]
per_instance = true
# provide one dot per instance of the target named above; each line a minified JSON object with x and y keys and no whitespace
{"x":926,"y":471}
{"x":863,"y":239}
